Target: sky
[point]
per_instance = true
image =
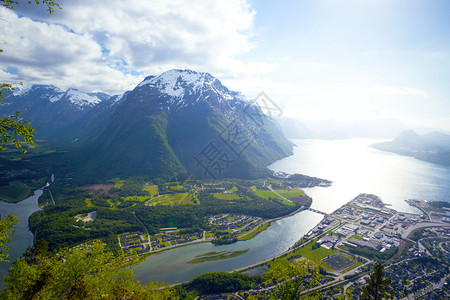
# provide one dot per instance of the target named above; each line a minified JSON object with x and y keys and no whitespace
{"x":318,"y":60}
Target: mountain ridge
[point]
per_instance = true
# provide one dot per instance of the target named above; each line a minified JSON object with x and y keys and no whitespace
{"x":162,"y":127}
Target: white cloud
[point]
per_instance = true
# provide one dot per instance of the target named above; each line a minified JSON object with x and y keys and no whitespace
{"x":111,"y":45}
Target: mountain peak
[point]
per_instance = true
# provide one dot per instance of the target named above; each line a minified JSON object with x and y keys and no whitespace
{"x":174,"y":82}
{"x":43,"y":91}
{"x":80,"y":99}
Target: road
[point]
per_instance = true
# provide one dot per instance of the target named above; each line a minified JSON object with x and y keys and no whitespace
{"x":146,"y":230}
{"x":424,"y":291}
{"x":270,"y":188}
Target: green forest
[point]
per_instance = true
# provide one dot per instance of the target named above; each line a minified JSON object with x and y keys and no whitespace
{"x":129,"y":205}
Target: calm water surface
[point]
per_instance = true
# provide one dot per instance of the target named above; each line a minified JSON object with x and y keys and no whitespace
{"x":23,"y":237}
{"x":356,"y":168}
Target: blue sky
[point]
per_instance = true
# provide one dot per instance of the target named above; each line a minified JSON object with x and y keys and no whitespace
{"x":360,"y":58}
{"x":324,"y":59}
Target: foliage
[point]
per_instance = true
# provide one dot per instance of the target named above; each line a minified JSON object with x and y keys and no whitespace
{"x":293,"y":275}
{"x":255,"y":232}
{"x":6,"y":224}
{"x":377,"y":287}
{"x":50,"y":4}
{"x":89,"y":272}
{"x":221,"y":282}
{"x":370,"y":253}
{"x":11,"y":128}
{"x":14,"y":192}
{"x":315,"y":246}
{"x":224,"y":239}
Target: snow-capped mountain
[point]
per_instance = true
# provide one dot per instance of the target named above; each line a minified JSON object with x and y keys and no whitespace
{"x":50,"y":109}
{"x":167,"y":124}
{"x":178,"y":89}
{"x":180,"y":83}
{"x":43,"y":92}
{"x":79,"y":99}
{"x":55,"y":94}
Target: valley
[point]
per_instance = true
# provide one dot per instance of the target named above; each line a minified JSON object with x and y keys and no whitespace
{"x":169,"y":214}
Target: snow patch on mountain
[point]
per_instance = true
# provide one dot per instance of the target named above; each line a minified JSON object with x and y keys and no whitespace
{"x":80,"y":99}
{"x":175,"y":83}
{"x":50,"y":92}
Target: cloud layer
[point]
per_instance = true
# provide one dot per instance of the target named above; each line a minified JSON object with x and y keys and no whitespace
{"x":111,"y":45}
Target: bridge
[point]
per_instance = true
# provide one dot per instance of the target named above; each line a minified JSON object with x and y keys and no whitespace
{"x":316,"y":211}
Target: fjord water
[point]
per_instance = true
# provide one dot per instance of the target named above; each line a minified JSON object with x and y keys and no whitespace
{"x":352,"y":166}
{"x":355,"y":168}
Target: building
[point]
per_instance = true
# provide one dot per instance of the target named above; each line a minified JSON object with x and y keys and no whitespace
{"x":350,"y":227}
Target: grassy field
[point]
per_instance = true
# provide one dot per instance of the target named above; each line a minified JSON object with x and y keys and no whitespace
{"x":216,"y":255}
{"x":289,"y":193}
{"x":136,"y":198}
{"x":176,"y":187}
{"x":112,"y":204}
{"x":151,"y":189}
{"x":357,"y":264}
{"x":253,"y":233}
{"x":88,"y":202}
{"x":14,"y":192}
{"x":233,"y":189}
{"x":266,"y":194}
{"x":356,"y":237}
{"x":118,"y":183}
{"x":316,"y":255}
{"x":222,"y":196}
{"x":171,"y":199}
{"x":285,"y":193}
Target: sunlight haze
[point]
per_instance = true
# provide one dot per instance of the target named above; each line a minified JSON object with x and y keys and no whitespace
{"x":318,"y":60}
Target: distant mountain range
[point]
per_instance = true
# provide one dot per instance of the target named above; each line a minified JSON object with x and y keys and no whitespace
{"x":433,"y":147}
{"x":180,"y":121}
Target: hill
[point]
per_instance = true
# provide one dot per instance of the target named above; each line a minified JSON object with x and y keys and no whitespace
{"x":433,"y":147}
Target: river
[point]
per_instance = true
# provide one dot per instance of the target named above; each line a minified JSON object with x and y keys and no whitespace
{"x":352,"y":166}
{"x":23,"y":237}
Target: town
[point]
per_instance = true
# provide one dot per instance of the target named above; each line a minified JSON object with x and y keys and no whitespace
{"x":232,"y":224}
{"x":414,"y":249}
